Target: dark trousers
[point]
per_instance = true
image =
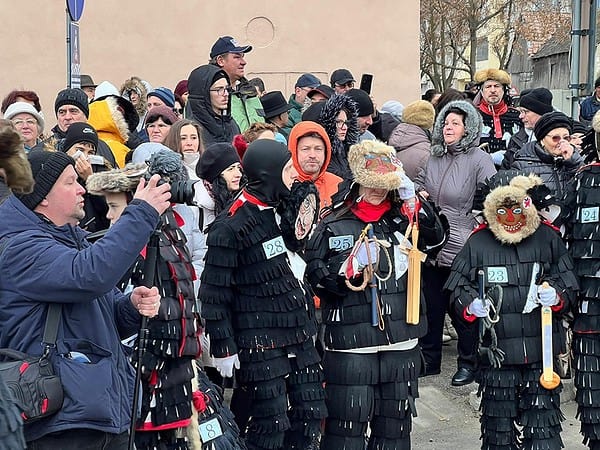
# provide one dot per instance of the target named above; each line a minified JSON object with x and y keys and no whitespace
{"x":81,"y":439}
{"x":437,"y":301}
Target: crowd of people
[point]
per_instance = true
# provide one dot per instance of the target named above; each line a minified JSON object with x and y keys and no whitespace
{"x":303,"y":252}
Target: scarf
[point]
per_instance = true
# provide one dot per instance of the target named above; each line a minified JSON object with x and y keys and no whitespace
{"x":495,"y":111}
{"x":370,"y":213}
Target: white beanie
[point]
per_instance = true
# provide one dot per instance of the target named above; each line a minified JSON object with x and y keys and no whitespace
{"x":106,"y":88}
{"x":24,"y":107}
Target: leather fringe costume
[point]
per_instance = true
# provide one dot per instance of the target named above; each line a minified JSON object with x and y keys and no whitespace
{"x":517,"y":412}
{"x":172,"y":344}
{"x":369,"y":380}
{"x":585,"y":250}
{"x":256,"y":306}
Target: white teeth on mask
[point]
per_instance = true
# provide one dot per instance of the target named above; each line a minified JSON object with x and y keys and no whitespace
{"x":513,"y":228}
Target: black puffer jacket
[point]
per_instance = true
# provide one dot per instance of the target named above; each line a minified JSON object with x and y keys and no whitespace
{"x":339,"y":149}
{"x":217,"y":128}
{"x":554,"y":171}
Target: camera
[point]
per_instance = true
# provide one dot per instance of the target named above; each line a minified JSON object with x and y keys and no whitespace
{"x":181,"y":191}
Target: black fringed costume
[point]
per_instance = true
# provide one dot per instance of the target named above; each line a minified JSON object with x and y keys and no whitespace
{"x":370,"y":379}
{"x":512,"y":396}
{"x":172,"y":344}
{"x":585,"y":250}
{"x":256,"y":305}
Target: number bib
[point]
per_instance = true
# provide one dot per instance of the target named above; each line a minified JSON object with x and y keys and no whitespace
{"x":209,"y":430}
{"x":341,"y":243}
{"x":274,"y":247}
{"x":497,"y":275}
{"x":589,"y":215}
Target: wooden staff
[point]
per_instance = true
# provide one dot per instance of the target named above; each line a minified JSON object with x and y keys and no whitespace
{"x":415,"y":258}
{"x":549,"y":378}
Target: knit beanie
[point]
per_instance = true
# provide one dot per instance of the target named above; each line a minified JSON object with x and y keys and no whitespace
{"x":80,"y":132}
{"x":215,"y":159}
{"x":364,"y":102}
{"x":75,"y":97}
{"x":549,"y":122}
{"x":538,"y":100}
{"x":46,"y":167}
{"x":181,"y":88}
{"x":163,"y":112}
{"x":165,"y":94}
{"x":420,"y":113}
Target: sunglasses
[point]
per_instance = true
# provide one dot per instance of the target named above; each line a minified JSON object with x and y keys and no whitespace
{"x":557,"y":138}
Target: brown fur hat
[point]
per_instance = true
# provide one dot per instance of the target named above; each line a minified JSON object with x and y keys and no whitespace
{"x":516,"y":193}
{"x":117,"y":180}
{"x":14,"y":161}
{"x":420,"y":113}
{"x":374,"y":165}
{"x":502,"y":77}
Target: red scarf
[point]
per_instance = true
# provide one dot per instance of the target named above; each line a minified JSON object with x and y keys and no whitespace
{"x":245,"y":197}
{"x":495,"y":111}
{"x":370,"y":213}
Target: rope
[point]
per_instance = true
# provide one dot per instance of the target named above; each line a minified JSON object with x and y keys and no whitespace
{"x":494,"y":354}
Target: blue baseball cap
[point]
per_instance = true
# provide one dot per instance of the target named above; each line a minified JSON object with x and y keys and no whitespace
{"x":307,"y":80}
{"x":227,"y":44}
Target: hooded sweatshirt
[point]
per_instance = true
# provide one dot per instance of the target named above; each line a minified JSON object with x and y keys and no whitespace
{"x":326,"y":182}
{"x":217,"y":128}
{"x":111,"y":126}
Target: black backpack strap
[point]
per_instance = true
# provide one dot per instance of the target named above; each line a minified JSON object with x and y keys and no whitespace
{"x":52,"y":322}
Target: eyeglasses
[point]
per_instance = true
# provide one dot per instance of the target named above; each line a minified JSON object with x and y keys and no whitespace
{"x":221,"y":90}
{"x":349,"y":85}
{"x":557,"y":138}
{"x":21,"y":122}
{"x":341,"y":123}
{"x":178,"y":110}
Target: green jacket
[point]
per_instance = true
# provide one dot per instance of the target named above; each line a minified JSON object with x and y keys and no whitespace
{"x":246,"y":107}
{"x":295,"y":115}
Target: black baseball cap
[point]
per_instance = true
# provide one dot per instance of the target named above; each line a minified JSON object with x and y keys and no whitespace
{"x":227,"y":44}
{"x":341,"y":76}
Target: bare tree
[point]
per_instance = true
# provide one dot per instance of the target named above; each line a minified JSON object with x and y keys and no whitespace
{"x":451,"y":31}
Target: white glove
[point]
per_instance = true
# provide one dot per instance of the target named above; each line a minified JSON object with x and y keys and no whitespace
{"x":361,"y":254}
{"x":406,"y":191}
{"x":547,"y":296}
{"x":225,"y":365}
{"x":476,"y":308}
{"x":498,"y":157}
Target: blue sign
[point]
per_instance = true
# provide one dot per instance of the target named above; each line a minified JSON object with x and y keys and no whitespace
{"x":75,"y":8}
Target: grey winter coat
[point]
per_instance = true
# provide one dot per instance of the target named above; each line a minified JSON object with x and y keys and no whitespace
{"x":451,"y":177}
{"x":555,"y":171}
{"x":413,"y":145}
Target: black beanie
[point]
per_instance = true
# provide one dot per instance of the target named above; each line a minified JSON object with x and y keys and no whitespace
{"x":215,"y":159}
{"x":538,"y":100}
{"x":364,"y":102}
{"x":75,"y":97}
{"x":80,"y":132}
{"x":46,"y":167}
{"x":551,"y":121}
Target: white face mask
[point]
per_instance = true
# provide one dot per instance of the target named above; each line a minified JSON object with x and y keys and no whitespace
{"x":191,"y":158}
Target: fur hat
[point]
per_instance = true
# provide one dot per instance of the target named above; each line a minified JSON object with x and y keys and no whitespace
{"x":135,"y":84}
{"x":550,"y":121}
{"x":374,"y":165}
{"x":420,"y":113}
{"x":502,"y":77}
{"x":538,"y":100}
{"x":14,"y":162}
{"x":117,"y":180}
{"x":46,"y":167}
{"x":473,"y":125}
{"x":516,"y":193}
{"x":75,"y":97}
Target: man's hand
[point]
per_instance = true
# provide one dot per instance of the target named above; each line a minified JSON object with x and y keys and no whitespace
{"x":146,"y":300}
{"x":157,"y":196}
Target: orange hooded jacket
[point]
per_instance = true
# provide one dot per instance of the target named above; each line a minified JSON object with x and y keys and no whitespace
{"x":326,"y":182}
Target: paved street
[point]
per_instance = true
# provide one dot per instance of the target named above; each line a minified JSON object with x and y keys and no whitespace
{"x":447,"y":418}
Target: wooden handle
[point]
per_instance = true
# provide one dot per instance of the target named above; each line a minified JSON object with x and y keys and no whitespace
{"x":549,"y":379}
{"x":413,"y":291}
